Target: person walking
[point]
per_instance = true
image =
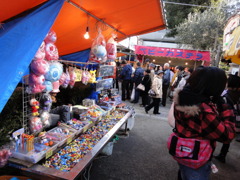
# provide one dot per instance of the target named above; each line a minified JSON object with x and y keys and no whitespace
{"x":232,"y":97}
{"x":137,"y":79}
{"x":201,"y":113}
{"x":157,"y":88}
{"x":125,"y":75}
{"x":147,"y":83}
{"x":166,"y":83}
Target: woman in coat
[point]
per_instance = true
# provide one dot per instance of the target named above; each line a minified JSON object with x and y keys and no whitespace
{"x":147,"y":83}
{"x":201,"y":113}
{"x":157,"y":88}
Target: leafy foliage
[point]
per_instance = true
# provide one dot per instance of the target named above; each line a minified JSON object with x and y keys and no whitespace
{"x":176,"y":14}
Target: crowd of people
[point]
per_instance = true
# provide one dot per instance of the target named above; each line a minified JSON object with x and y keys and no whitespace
{"x":162,"y":80}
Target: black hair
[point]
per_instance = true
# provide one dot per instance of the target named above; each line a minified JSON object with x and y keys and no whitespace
{"x":118,"y":63}
{"x":190,"y":70}
{"x":180,"y":68}
{"x":138,"y":64}
{"x":208,"y":81}
{"x":147,"y":71}
{"x":233,"y":81}
{"x":124,"y":62}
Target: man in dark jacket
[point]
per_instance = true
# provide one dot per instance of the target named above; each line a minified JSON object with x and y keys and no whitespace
{"x":166,"y":83}
{"x":125,"y":75}
{"x":137,"y":79}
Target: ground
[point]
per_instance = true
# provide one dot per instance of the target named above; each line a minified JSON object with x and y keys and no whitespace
{"x":143,"y":155}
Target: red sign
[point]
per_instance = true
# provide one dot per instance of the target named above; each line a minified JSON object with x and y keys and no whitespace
{"x":173,"y":53}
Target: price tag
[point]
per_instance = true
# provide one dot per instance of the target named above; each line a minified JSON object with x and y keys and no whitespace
{"x":49,"y":153}
{"x":69,"y":140}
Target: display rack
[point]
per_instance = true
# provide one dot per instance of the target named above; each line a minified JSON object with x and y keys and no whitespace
{"x":38,"y":171}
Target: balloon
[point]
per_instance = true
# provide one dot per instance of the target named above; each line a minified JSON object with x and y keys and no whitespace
{"x":51,"y":52}
{"x":55,"y":71}
{"x":51,"y":37}
{"x":39,"y":67}
{"x":40,"y":54}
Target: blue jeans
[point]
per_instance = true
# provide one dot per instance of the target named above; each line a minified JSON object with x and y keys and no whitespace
{"x":202,"y":173}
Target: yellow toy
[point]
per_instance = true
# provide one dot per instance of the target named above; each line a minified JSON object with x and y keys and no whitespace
{"x":92,"y":78}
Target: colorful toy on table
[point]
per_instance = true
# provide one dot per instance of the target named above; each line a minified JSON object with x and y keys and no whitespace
{"x":46,"y":140}
{"x":27,"y":143}
{"x":76,"y":124}
{"x":34,"y":106}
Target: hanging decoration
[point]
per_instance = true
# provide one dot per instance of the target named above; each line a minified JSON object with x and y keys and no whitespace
{"x":112,"y":48}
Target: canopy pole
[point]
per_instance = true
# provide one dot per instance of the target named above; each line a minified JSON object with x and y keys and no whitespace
{"x":95,"y":17}
{"x":195,"y":64}
{"x":76,"y":62}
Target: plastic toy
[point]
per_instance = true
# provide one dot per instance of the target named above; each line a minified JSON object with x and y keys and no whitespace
{"x":62,"y":78}
{"x":40,"y":54}
{"x":44,"y":140}
{"x":67,"y":80}
{"x":46,"y":102}
{"x":55,"y":71}
{"x":35,"y":106}
{"x":51,"y":52}
{"x":51,"y":37}
{"x":39,"y":67}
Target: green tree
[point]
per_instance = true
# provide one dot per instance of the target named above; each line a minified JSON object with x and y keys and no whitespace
{"x":204,"y":31}
{"x":176,"y":14}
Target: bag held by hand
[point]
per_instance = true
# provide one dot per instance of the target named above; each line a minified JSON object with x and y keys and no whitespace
{"x":190,"y":152}
{"x":151,"y":93}
{"x":141,"y":87}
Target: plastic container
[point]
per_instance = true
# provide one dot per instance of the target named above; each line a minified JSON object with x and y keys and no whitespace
{"x":108,"y":149}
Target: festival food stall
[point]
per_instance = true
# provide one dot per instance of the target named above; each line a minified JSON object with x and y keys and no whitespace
{"x":183,"y":57}
{"x":45,"y":41}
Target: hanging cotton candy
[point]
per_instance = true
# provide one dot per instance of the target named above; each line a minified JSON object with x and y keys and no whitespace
{"x":40,"y":54}
{"x":48,"y":86}
{"x":45,"y":118}
{"x":39,"y":67}
{"x":36,"y":83}
{"x":62,"y":78}
{"x":99,"y":51}
{"x":67,"y":80}
{"x":55,"y":71}
{"x":55,"y":85}
{"x":111,"y":49}
{"x":73,"y":77}
{"x":51,"y":52}
{"x":51,"y":37}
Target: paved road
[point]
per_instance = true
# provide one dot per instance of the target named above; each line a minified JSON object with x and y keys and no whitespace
{"x":143,"y":154}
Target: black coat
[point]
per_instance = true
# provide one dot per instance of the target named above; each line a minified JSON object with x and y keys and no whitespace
{"x":147,"y":82}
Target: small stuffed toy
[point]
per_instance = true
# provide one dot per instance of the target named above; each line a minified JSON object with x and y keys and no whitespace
{"x":35,"y":124}
{"x":93,"y":76}
{"x":35,"y":106}
{"x":55,"y":71}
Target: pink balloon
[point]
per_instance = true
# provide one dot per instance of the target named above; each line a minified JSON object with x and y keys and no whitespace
{"x":36,"y":83}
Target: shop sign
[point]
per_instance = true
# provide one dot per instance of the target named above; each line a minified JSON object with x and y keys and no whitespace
{"x":173,"y":53}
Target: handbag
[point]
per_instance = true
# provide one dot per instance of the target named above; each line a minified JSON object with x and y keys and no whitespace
{"x":151,"y":93}
{"x":141,"y":87}
{"x":190,"y":152}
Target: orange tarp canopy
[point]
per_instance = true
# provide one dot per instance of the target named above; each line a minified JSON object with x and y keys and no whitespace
{"x":125,"y":18}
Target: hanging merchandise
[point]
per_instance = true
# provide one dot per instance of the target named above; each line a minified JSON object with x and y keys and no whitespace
{"x":55,"y":71}
{"x":35,"y":124}
{"x":48,"y":86}
{"x":51,"y":37}
{"x":46,"y":102}
{"x":45,"y":118}
{"x":78,"y":75}
{"x":39,"y":67}
{"x":55,"y":85}
{"x":40,"y":54}
{"x":72,"y":76}
{"x":85,"y":77}
{"x":67,"y":80}
{"x":62,"y":78}
{"x":34,"y":106}
{"x":35,"y":84}
{"x":106,"y":70}
{"x":93,"y":76}
{"x":111,"y":48}
{"x":98,"y":50}
{"x":51,"y":52}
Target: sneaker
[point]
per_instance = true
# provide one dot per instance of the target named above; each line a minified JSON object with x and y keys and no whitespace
{"x":157,"y":113}
{"x":146,"y":110}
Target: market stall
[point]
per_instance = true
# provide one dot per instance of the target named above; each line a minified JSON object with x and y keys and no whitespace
{"x":183,"y":57}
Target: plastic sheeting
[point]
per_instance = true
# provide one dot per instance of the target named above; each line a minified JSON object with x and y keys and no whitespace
{"x":19,"y":42}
